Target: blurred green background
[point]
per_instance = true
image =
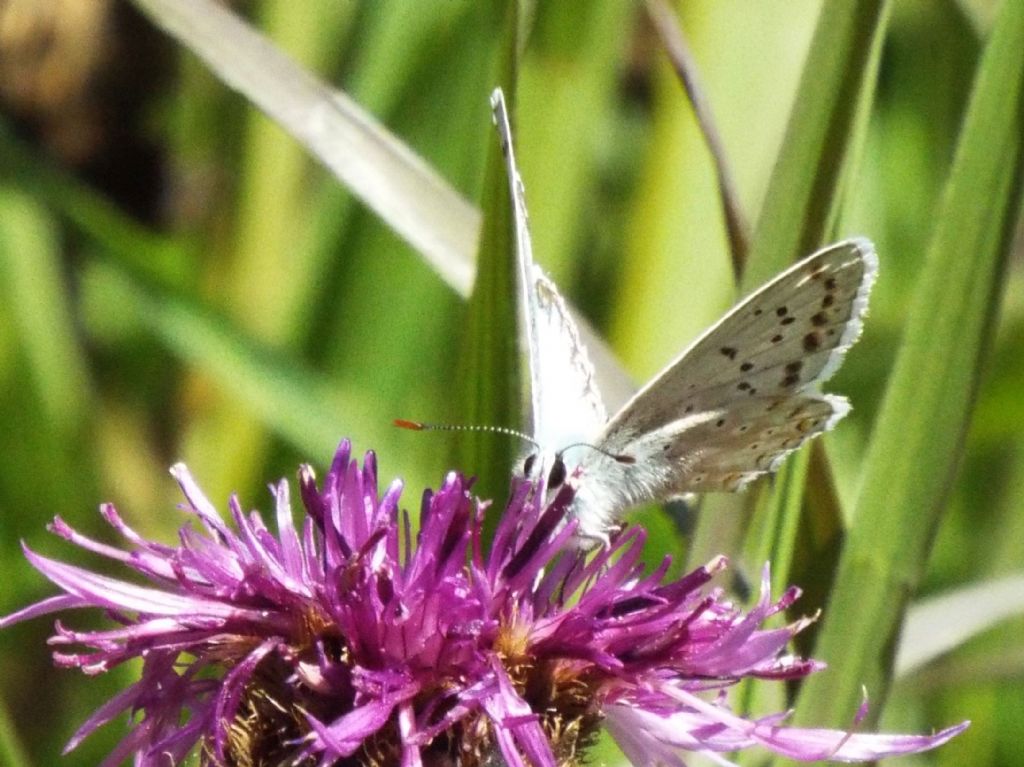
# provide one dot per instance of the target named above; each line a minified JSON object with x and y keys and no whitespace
{"x":180,"y":281}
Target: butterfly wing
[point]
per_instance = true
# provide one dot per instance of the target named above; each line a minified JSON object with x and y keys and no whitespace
{"x":742,"y":396}
{"x":566,"y":405}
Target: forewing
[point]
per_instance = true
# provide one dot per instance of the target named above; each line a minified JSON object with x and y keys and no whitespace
{"x":565,"y":403}
{"x":746,"y":392}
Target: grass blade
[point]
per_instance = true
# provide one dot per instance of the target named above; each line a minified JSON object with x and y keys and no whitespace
{"x":806,"y":186}
{"x":490,"y":373}
{"x":383,"y":172}
{"x":392,"y":180}
{"x":11,"y":750}
{"x":667,"y":26}
{"x":924,"y":417}
{"x":928,"y":632}
{"x":803,"y":199}
{"x":302,"y":407}
{"x":90,"y":212}
{"x":30,"y":272}
{"x":269,"y":275}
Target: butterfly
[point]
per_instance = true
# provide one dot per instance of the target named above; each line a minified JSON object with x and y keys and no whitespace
{"x":727,"y":410}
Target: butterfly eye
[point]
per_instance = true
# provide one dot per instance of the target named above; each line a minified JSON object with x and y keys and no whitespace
{"x":557,"y":475}
{"x":528,"y":464}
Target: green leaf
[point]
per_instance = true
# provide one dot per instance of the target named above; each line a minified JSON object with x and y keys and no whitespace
{"x":398,"y":185}
{"x":304,"y":408}
{"x":273,"y":271}
{"x":798,"y":216}
{"x":920,"y":430}
{"x":390,"y":178}
{"x":565,"y":102}
{"x":11,"y":750}
{"x":773,"y":530}
{"x":39,"y":301}
{"x":92,"y":214}
{"x":489,"y":369}
{"x":805,"y":191}
{"x":928,"y":631}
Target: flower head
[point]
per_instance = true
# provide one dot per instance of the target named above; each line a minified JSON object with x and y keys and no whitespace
{"x":353,"y":640}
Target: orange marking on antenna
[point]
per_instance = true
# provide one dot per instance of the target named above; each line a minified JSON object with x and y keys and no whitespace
{"x":401,"y":423}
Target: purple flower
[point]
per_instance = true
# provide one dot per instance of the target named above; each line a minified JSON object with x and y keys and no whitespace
{"x":354,"y":640}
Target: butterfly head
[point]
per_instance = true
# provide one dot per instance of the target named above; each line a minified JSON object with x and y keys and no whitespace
{"x":557,"y":467}
{"x":552,"y":470}
{"x":556,"y":474}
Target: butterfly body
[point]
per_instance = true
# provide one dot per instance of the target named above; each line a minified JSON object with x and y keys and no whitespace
{"x":727,"y":410}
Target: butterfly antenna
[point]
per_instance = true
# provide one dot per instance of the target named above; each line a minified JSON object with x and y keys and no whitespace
{"x":419,"y":426}
{"x":619,"y":457}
